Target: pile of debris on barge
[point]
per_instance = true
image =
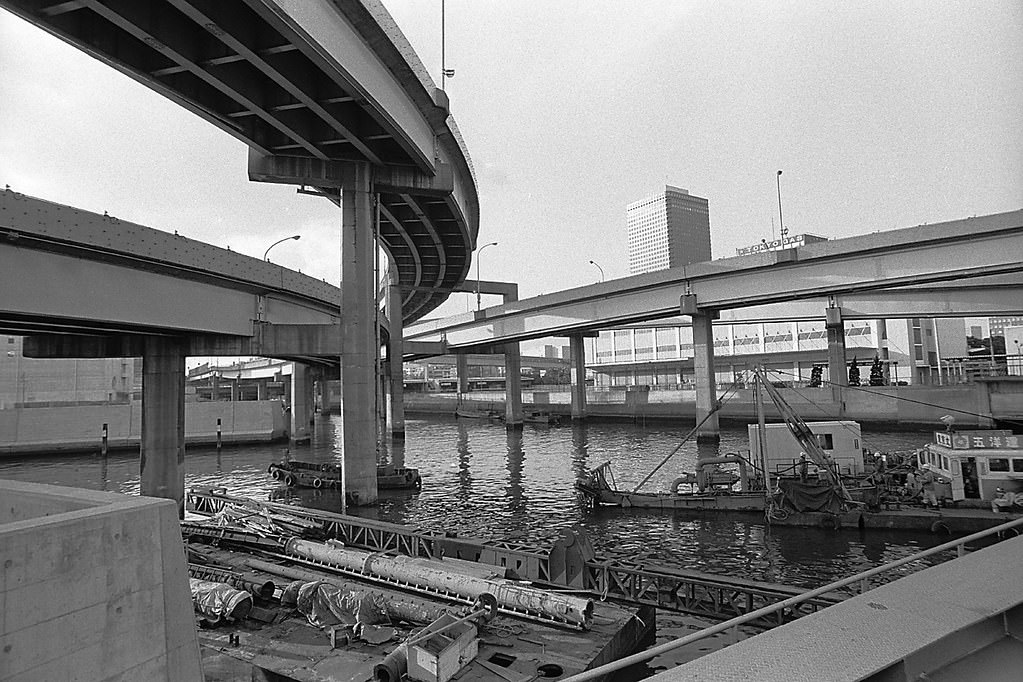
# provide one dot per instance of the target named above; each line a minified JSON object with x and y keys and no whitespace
{"x":272,"y":594}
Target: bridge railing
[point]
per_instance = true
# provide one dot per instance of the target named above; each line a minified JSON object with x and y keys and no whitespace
{"x":862,"y":580}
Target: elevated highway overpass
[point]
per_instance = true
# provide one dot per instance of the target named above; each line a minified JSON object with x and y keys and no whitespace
{"x":327,"y":95}
{"x":310,"y":86}
{"x":958,"y":268}
{"x":963,"y":267}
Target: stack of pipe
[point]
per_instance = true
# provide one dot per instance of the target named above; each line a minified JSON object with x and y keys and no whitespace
{"x":466,"y":579}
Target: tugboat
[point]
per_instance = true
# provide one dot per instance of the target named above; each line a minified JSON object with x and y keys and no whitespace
{"x":328,"y":475}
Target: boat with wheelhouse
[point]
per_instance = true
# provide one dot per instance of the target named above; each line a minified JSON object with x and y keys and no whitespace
{"x":980,"y":464}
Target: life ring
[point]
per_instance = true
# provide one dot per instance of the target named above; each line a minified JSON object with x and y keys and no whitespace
{"x":275,"y":472}
{"x":289,"y":480}
{"x":830,"y":522}
{"x":940,"y":527}
{"x":317,"y":482}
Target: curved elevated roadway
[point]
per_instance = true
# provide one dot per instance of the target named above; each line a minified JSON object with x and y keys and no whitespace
{"x":308,"y":85}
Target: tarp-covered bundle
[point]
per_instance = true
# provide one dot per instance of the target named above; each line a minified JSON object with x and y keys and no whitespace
{"x":810,"y":496}
{"x":216,"y":601}
{"x":325,"y":604}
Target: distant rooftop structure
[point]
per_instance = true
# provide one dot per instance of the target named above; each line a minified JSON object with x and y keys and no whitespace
{"x":785,"y":242}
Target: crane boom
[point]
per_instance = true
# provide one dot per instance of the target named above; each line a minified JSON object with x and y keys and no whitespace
{"x":804,"y":436}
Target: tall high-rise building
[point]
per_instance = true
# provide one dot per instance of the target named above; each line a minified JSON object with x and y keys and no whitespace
{"x":668,"y":230}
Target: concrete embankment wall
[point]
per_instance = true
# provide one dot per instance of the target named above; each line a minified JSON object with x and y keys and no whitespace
{"x":79,"y":428}
{"x":910,"y":405}
{"x":93,"y":586}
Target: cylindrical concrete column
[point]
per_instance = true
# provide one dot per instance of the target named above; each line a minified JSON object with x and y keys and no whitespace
{"x":839,"y":375}
{"x":836,"y":347}
{"x":578,"y":360}
{"x":462,"y":369}
{"x":300,"y":406}
{"x":358,"y":359}
{"x":512,"y":386}
{"x":261,"y":389}
{"x":162,"y":446}
{"x":703,"y":368}
{"x":395,"y":351}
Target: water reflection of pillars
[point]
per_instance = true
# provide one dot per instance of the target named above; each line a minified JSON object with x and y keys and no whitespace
{"x":516,"y":456}
{"x":580,"y":450}
{"x":464,"y":460}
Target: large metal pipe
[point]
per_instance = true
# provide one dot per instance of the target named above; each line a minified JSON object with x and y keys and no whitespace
{"x":407,"y":609}
{"x":449,"y":576}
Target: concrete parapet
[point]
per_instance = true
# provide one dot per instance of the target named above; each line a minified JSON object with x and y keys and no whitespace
{"x":94,"y":587}
{"x":78,"y":428}
{"x":960,"y":620}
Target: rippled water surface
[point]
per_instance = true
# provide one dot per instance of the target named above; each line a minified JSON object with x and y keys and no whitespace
{"x":481,"y":480}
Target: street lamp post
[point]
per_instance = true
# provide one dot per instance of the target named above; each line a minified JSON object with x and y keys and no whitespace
{"x":478,"y":254}
{"x":781,"y":223}
{"x":597,"y":265}
{"x":265,"y":253}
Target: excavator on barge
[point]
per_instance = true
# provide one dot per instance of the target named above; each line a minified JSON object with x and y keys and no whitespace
{"x":759,"y":489}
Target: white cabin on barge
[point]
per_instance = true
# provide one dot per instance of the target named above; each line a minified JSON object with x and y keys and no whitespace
{"x":977,"y":462}
{"x":840,"y":440}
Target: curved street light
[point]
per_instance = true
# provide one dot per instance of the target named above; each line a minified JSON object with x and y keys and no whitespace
{"x":597,"y":265}
{"x":478,"y":254}
{"x":781,"y":223}
{"x":295,"y":236}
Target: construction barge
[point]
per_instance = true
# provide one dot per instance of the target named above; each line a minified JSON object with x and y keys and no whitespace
{"x":273,"y":600}
{"x":817,"y":474}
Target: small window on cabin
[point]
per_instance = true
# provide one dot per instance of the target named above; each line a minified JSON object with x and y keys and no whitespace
{"x":944,"y":463}
{"x":856,"y":444}
{"x":826,"y":441}
{"x":998,"y":463}
{"x":1017,"y":465}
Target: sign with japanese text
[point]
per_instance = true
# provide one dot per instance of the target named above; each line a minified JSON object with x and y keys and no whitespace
{"x":978,"y":440}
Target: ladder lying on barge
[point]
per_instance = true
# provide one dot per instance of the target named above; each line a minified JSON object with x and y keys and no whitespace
{"x":570,"y":563}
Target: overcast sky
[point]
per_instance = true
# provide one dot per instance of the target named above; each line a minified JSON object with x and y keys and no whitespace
{"x":882,"y":115}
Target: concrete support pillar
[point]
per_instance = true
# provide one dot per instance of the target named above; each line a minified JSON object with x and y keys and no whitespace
{"x":261,"y":389}
{"x":358,"y":360}
{"x":578,"y":351}
{"x":300,"y":406}
{"x":234,"y":390}
{"x":836,"y":357}
{"x":310,"y":397}
{"x":512,"y":386}
{"x":703,"y":368}
{"x":462,"y":369}
{"x":162,"y":448}
{"x":395,"y":350}
{"x":215,"y":387}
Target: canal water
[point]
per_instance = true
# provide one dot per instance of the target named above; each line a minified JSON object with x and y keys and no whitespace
{"x":482,"y":480}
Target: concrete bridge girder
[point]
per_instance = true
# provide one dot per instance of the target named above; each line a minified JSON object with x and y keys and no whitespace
{"x":918,"y":257}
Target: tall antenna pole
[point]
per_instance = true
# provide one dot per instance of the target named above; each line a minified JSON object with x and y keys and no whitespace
{"x":781,"y":223}
{"x":443,"y":69}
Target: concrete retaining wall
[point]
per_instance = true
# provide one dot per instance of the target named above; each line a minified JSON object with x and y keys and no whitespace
{"x":911,"y":405}
{"x":93,"y":586}
{"x":79,"y":428}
